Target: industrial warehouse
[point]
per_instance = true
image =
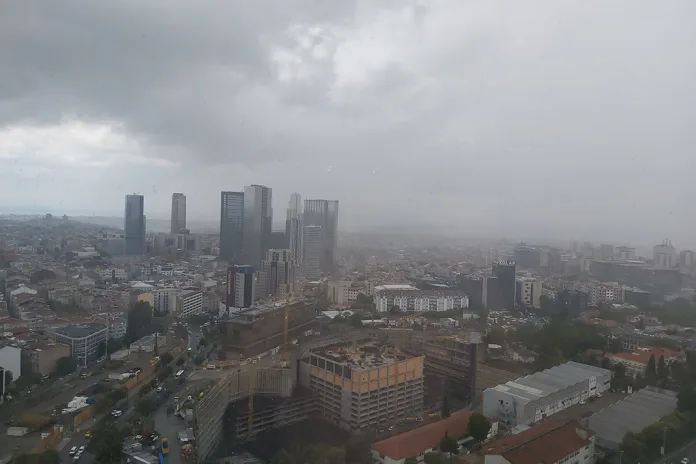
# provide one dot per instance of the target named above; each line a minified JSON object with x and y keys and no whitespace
{"x":535,"y":397}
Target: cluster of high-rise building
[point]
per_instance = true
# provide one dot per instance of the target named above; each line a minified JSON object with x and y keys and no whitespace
{"x":246,"y":236}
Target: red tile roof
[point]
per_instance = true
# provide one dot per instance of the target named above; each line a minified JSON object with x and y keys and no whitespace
{"x":545,"y":443}
{"x":416,"y":441}
{"x":643,"y":356}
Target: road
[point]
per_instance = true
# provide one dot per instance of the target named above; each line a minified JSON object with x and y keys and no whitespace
{"x":160,"y":416}
{"x":688,"y":451}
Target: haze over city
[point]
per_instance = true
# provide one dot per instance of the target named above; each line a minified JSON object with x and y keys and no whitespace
{"x":569,"y":119}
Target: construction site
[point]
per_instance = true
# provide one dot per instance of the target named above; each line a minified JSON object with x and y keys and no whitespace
{"x":365,"y":383}
{"x":257,"y":330}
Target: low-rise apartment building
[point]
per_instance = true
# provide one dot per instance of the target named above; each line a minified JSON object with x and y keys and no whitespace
{"x":411,"y":299}
{"x":636,"y":362}
{"x":42,"y":355}
{"x":83,"y":339}
{"x":415,"y":443}
{"x":555,"y":441}
{"x":345,"y":292}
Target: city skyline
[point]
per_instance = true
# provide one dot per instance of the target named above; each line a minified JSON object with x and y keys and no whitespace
{"x":388,"y":123}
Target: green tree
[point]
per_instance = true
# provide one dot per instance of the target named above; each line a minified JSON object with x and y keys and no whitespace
{"x":139,"y":321}
{"x":478,"y":427}
{"x":662,"y":372}
{"x":166,"y":358}
{"x":445,"y":406}
{"x":65,"y":365}
{"x":181,"y":361}
{"x":395,"y":309}
{"x":356,"y":320}
{"x":145,"y":407}
{"x":101,"y":349}
{"x":449,"y":445}
{"x":411,"y":461}
{"x":113,"y":345}
{"x":496,"y":336}
{"x":633,"y":447}
{"x":433,"y":458}
{"x":686,"y":400}
{"x":107,"y":444}
{"x":650,"y":371}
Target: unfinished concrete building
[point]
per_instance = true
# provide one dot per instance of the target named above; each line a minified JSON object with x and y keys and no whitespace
{"x":256,"y":330}
{"x":269,"y":411}
{"x":364,"y":383}
{"x":450,"y":366}
{"x":237,"y":386}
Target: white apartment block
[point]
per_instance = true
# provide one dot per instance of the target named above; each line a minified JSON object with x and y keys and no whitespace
{"x":113,"y":273}
{"x":345,"y":292}
{"x":412,"y":299}
{"x":600,"y":292}
{"x":165,"y":299}
{"x":529,"y":291}
{"x":190,"y":303}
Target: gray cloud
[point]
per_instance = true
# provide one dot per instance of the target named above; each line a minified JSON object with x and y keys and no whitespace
{"x":524,"y":116}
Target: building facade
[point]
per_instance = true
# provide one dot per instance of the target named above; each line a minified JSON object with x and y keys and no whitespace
{"x":83,"y":340}
{"x":528,"y":292}
{"x":411,"y":299}
{"x":279,"y":269}
{"x":293,"y":227}
{"x":190,"y":303}
{"x":364,"y":385}
{"x":178,"y":222}
{"x":324,"y":213}
{"x":535,"y":397}
{"x":311,"y":260}
{"x":504,"y":271}
{"x":345,"y":292}
{"x":241,"y":286}
{"x":134,"y":225}
{"x":258,"y":218}
{"x":231,"y":226}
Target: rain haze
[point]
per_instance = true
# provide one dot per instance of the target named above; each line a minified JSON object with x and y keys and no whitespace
{"x":563,"y":118}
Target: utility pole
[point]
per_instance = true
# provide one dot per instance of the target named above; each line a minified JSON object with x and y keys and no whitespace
{"x":663,"y":450}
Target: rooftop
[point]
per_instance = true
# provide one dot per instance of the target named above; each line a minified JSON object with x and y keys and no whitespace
{"x":399,"y":287}
{"x":631,"y":414}
{"x":547,"y":442}
{"x":642,"y":356}
{"x":546,"y":382}
{"x":80,"y":331}
{"x":416,"y":441}
{"x":365,"y":356}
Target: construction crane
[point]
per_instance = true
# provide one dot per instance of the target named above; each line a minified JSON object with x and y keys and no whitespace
{"x":250,"y":406}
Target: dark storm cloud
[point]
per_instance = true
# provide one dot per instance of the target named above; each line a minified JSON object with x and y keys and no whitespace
{"x":173,"y":71}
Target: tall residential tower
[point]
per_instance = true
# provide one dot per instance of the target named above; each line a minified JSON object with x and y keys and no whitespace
{"x":134,"y":225}
{"x":324,"y":213}
{"x":231,"y":226}
{"x":258,"y":219}
{"x":293,"y":227}
{"x":178,"y":213}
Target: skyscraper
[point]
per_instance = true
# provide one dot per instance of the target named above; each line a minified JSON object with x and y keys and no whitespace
{"x":231,"y":226}
{"x":293,"y":226}
{"x":279,"y":267}
{"x":134,"y":225}
{"x":324,"y":213}
{"x":312,"y":240}
{"x":506,"y":288}
{"x":178,"y":213}
{"x":258,"y":220}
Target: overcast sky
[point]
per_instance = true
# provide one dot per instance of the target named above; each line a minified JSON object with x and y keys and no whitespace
{"x":529,"y":117}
